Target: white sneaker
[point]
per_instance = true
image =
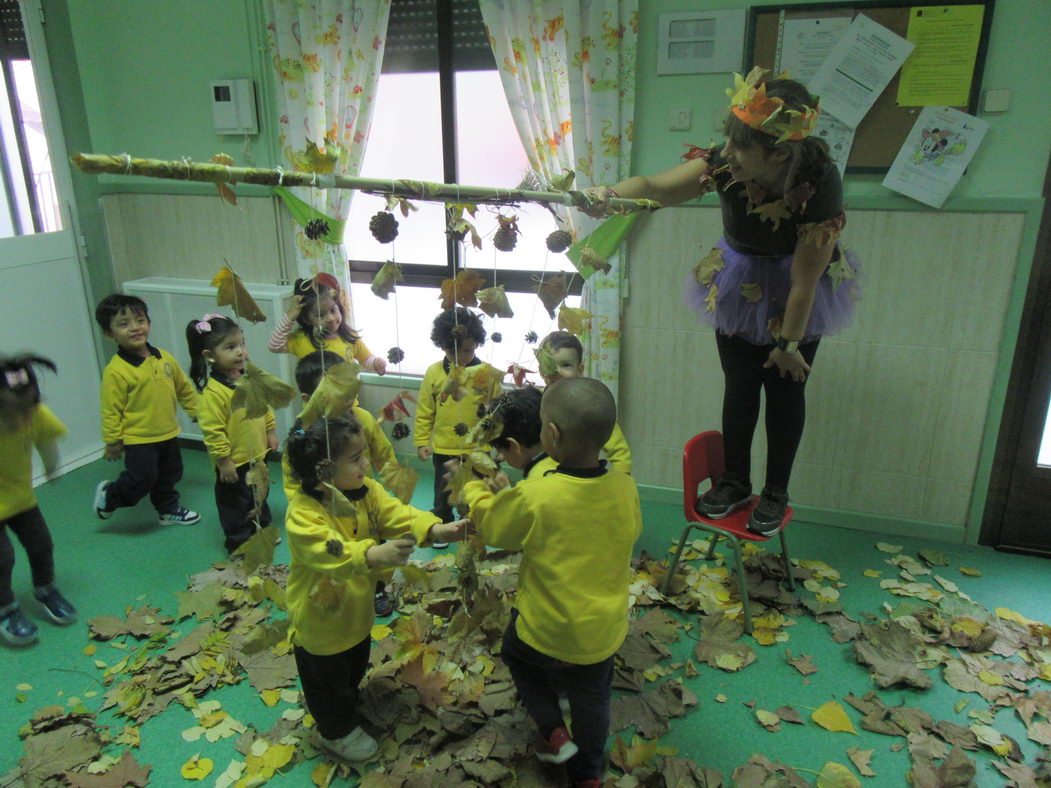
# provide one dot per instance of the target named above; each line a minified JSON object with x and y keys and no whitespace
{"x":355,"y":746}
{"x":100,"y":502}
{"x":179,"y":516}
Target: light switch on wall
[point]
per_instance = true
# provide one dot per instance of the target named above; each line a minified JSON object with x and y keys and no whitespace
{"x":996,"y":100}
{"x":680,"y":119}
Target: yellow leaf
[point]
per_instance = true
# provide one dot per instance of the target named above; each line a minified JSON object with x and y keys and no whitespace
{"x":773,"y":212}
{"x":196,"y":768}
{"x":385,"y":279}
{"x":970,"y":571}
{"x":572,"y":319}
{"x":381,"y":631}
{"x":213,"y":719}
{"x":888,"y":548}
{"x":730,"y":662}
{"x":258,"y":390}
{"x":765,"y":636}
{"x":230,"y":291}
{"x":270,"y":697}
{"x":493,"y":301}
{"x":400,"y":480}
{"x":832,"y":717}
{"x":334,"y":395}
{"x":990,"y":678}
{"x":323,"y":773}
{"x":23,"y":687}
{"x":836,"y":775}
{"x":709,"y":301}
{"x":1010,"y":615}
{"x":872,"y":573}
{"x":768,"y":719}
{"x":752,"y":292}
{"x":967,"y":626}
{"x":720,"y":698}
{"x":90,"y":649}
{"x":705,"y":270}
{"x":1045,"y":671}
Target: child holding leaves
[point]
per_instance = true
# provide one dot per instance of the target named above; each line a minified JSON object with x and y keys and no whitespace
{"x":335,"y":521}
{"x":235,"y":442}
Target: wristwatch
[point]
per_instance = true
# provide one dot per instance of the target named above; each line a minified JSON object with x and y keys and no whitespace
{"x":788,"y":345}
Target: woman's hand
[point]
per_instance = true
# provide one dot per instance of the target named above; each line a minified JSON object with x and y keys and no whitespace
{"x":598,"y":206}
{"x":227,"y":470}
{"x":792,"y":364}
{"x":295,"y":309}
{"x":448,"y":532}
{"x":393,"y":553}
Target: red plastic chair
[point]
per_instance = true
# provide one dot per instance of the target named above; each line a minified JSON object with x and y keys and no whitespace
{"x":703,"y":459}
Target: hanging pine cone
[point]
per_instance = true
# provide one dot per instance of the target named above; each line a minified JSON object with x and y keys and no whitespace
{"x":559,"y":241}
{"x":497,"y":337}
{"x":531,"y":337}
{"x":482,"y":410}
{"x":395,"y":355}
{"x":384,"y":227}
{"x":401,"y":430}
{"x":461,"y":429}
{"x":506,"y":235}
{"x":316,"y":229}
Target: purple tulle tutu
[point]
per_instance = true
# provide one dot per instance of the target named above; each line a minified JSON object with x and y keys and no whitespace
{"x":751,"y":291}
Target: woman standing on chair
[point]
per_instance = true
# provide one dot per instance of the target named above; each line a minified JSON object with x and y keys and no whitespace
{"x":774,"y":284}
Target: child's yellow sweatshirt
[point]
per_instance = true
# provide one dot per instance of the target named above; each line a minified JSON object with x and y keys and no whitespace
{"x":378,"y":450}
{"x":436,"y":421}
{"x":138,"y":397}
{"x":576,"y":529}
{"x":330,"y":587}
{"x":299,"y":345}
{"x":617,"y":451}
{"x":228,"y":432}
{"x":16,"y":459}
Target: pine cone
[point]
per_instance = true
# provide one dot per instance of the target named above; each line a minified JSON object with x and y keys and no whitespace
{"x":384,"y":227}
{"x":460,"y":429}
{"x":482,"y":410}
{"x":504,"y":239}
{"x":401,"y":430}
{"x":497,"y":337}
{"x":395,"y":355}
{"x":316,"y":229}
{"x":531,"y":337}
{"x":559,"y":241}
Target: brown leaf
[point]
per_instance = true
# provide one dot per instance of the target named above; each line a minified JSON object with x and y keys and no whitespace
{"x":628,"y":758}
{"x":395,"y":410}
{"x":204,"y":604}
{"x":860,"y":758}
{"x":127,"y":771}
{"x":400,"y":480}
{"x":788,"y":714}
{"x":801,"y":663}
{"x":266,"y":670}
{"x":462,"y":290}
{"x":431,"y":684}
{"x":760,"y":771}
{"x":717,"y":647}
{"x":230,"y":291}
{"x":493,"y":301}
{"x":956,"y":771}
{"x":552,"y":292}
{"x":56,"y":751}
{"x":386,"y":278}
{"x":891,"y":652}
{"x":684,"y":773}
{"x":142,"y":622}
{"x":257,"y":391}
{"x":258,"y":550}
{"x":334,"y":395}
{"x":224,"y":191}
{"x":709,"y":266}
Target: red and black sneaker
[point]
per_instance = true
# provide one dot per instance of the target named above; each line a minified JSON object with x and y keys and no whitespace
{"x":557,"y":748}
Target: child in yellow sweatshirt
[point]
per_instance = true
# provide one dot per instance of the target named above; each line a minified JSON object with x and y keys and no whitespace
{"x":378,"y":449}
{"x":140,"y":387}
{"x":576,"y":529}
{"x":235,"y":442}
{"x":25,"y":423}
{"x":443,"y":417}
{"x":568,"y":355}
{"x":335,"y":521}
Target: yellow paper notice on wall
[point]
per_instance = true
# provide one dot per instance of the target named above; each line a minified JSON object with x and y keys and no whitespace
{"x":941,"y":67}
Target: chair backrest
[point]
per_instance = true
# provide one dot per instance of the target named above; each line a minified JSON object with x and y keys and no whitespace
{"x":702,"y":458}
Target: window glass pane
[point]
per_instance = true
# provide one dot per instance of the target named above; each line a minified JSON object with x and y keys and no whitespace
{"x":489,"y":153}
{"x":39,"y":156}
{"x":404,"y":320}
{"x":405,"y":141}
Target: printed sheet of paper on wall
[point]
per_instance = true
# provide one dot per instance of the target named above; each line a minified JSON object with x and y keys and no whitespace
{"x":803,"y":46}
{"x":935,"y":154}
{"x":858,"y":68}
{"x":942,"y":66}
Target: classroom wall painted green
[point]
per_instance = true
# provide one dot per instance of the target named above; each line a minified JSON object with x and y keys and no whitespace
{"x":1013,"y":158}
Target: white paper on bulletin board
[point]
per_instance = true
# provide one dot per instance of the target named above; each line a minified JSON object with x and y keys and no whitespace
{"x":701,"y":42}
{"x":803,"y":44}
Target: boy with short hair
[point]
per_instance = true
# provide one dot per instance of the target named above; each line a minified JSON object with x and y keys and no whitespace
{"x":568,"y":355}
{"x":576,"y":528}
{"x":140,"y":387}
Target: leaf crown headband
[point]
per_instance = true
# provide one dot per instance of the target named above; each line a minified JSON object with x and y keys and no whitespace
{"x":749,"y":102}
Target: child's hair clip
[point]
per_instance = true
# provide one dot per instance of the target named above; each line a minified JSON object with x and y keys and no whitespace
{"x":16,"y":377}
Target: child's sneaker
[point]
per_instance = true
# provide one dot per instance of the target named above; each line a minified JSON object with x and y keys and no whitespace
{"x":382,"y":604}
{"x":355,"y":746}
{"x":56,"y":607}
{"x":767,"y":517}
{"x":15,"y":628}
{"x":101,"y":511}
{"x":439,"y":545}
{"x":728,"y":495}
{"x":558,"y":748}
{"x":180,"y":515}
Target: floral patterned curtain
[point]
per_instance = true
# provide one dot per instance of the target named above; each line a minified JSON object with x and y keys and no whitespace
{"x":327,"y":55}
{"x":568,"y":70}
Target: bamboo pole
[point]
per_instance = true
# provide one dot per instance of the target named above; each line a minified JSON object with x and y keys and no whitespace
{"x":94,"y":164}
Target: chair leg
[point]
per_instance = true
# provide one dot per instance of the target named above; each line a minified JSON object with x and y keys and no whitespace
{"x":666,"y":585}
{"x":742,"y":584}
{"x":787,"y":561}
{"x":713,"y":540}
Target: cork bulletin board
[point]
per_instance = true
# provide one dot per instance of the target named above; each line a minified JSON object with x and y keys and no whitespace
{"x":886,"y":125}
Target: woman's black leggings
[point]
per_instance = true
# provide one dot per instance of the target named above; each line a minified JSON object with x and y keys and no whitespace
{"x":742,"y":364}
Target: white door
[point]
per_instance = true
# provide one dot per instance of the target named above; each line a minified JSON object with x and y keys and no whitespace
{"x":43,"y":301}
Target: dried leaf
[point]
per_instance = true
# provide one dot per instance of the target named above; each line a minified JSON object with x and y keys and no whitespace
{"x":386,"y":278}
{"x":395,"y":410}
{"x":572,"y":320}
{"x":788,"y":714}
{"x":836,"y":775}
{"x":126,"y":771}
{"x":861,"y":758}
{"x":552,"y":292}
{"x":462,"y":290}
{"x":230,"y":291}
{"x":335,"y":394}
{"x":258,"y":391}
{"x":888,"y":548}
{"x":493,"y":301}
{"x":933,"y":557}
{"x":591,"y":259}
{"x":752,"y":292}
{"x":545,"y":362}
{"x":628,"y":758}
{"x":705,"y":271}
{"x":832,"y":717}
{"x":258,"y":550}
{"x":224,"y":191}
{"x":801,"y":663}
{"x":768,"y":720}
{"x":971,"y":572}
{"x":717,"y":647}
{"x":196,"y":768}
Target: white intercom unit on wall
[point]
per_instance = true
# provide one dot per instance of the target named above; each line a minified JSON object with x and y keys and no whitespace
{"x":233,"y":106}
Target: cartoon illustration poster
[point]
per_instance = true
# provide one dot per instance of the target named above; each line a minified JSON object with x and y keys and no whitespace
{"x":935,"y":154}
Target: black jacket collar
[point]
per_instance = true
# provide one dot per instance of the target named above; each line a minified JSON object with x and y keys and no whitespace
{"x":356,"y":495}
{"x":583,"y":473}
{"x":221,"y":378}
{"x":136,"y":360}
{"x":472,"y":363}
{"x":530,"y":465}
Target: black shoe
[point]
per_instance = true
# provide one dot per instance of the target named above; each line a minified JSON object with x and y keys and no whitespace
{"x":728,"y":495}
{"x":382,"y":604}
{"x":767,"y":517}
{"x":15,"y":628}
{"x":56,"y":607}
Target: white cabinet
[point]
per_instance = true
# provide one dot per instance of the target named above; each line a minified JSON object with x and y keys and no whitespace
{"x":174,"y":302}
